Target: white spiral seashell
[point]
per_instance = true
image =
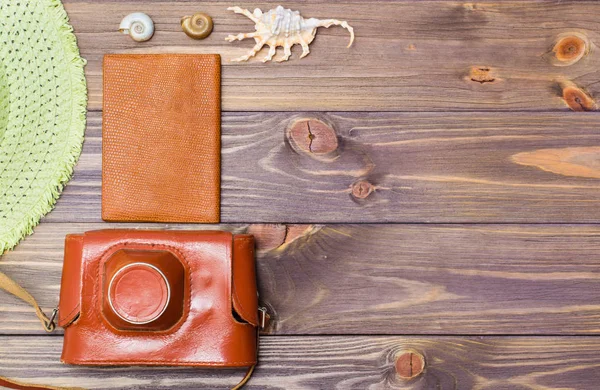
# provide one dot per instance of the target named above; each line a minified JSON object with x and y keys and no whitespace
{"x":138,"y":25}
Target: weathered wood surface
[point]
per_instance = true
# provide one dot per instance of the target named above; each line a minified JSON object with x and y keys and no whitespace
{"x":313,"y":362}
{"x":434,"y":167}
{"x":339,"y":293}
{"x":408,"y":55}
{"x":383,"y":279}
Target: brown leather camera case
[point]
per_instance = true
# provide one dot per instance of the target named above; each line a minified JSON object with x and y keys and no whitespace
{"x":183,"y":298}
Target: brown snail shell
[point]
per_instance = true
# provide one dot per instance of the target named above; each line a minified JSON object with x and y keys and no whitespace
{"x":198,"y":26}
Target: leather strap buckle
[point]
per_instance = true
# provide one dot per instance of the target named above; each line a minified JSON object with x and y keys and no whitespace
{"x":263,"y":317}
{"x":50,"y":325}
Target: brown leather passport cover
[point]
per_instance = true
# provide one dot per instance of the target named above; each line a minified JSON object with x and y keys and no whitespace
{"x":161,"y":138}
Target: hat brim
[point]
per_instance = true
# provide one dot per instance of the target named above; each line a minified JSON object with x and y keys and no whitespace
{"x":43,"y":99}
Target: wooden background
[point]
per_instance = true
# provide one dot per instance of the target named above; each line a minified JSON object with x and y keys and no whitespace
{"x":449,"y":210}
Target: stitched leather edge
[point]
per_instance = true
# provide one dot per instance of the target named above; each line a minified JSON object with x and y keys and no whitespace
{"x":66,"y":320}
{"x":62,"y":320}
{"x":241,"y":308}
{"x":244,"y":312}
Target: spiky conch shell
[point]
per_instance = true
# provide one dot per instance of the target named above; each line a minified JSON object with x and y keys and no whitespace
{"x":282,"y":27}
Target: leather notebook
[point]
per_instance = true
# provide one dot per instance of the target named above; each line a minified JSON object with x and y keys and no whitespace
{"x":161,"y":138}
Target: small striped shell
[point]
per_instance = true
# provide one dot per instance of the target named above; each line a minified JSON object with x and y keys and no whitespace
{"x":138,"y":26}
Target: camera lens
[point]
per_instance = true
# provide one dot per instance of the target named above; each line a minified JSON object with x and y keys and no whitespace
{"x":139,"y":293}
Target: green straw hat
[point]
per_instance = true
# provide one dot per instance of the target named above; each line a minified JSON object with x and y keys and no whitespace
{"x":43,"y":101}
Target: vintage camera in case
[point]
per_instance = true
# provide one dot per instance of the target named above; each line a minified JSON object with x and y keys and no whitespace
{"x":184,"y":298}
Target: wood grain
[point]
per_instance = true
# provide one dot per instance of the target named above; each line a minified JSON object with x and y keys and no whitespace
{"x":408,"y":56}
{"x":579,"y":162}
{"x":481,"y":363}
{"x":422,"y":167}
{"x":340,"y":294}
{"x":383,"y":279}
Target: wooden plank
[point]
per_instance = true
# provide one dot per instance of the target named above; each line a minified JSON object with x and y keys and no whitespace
{"x":342,"y":363}
{"x":382,"y":279}
{"x":408,"y":56}
{"x":423,"y":167}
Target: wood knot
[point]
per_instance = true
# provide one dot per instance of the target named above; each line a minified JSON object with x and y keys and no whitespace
{"x":570,"y":48}
{"x":362,"y":189}
{"x":482,"y":74}
{"x":409,"y":364}
{"x":277,"y":236}
{"x":577,"y":99}
{"x":267,"y":236}
{"x":312,"y":136}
